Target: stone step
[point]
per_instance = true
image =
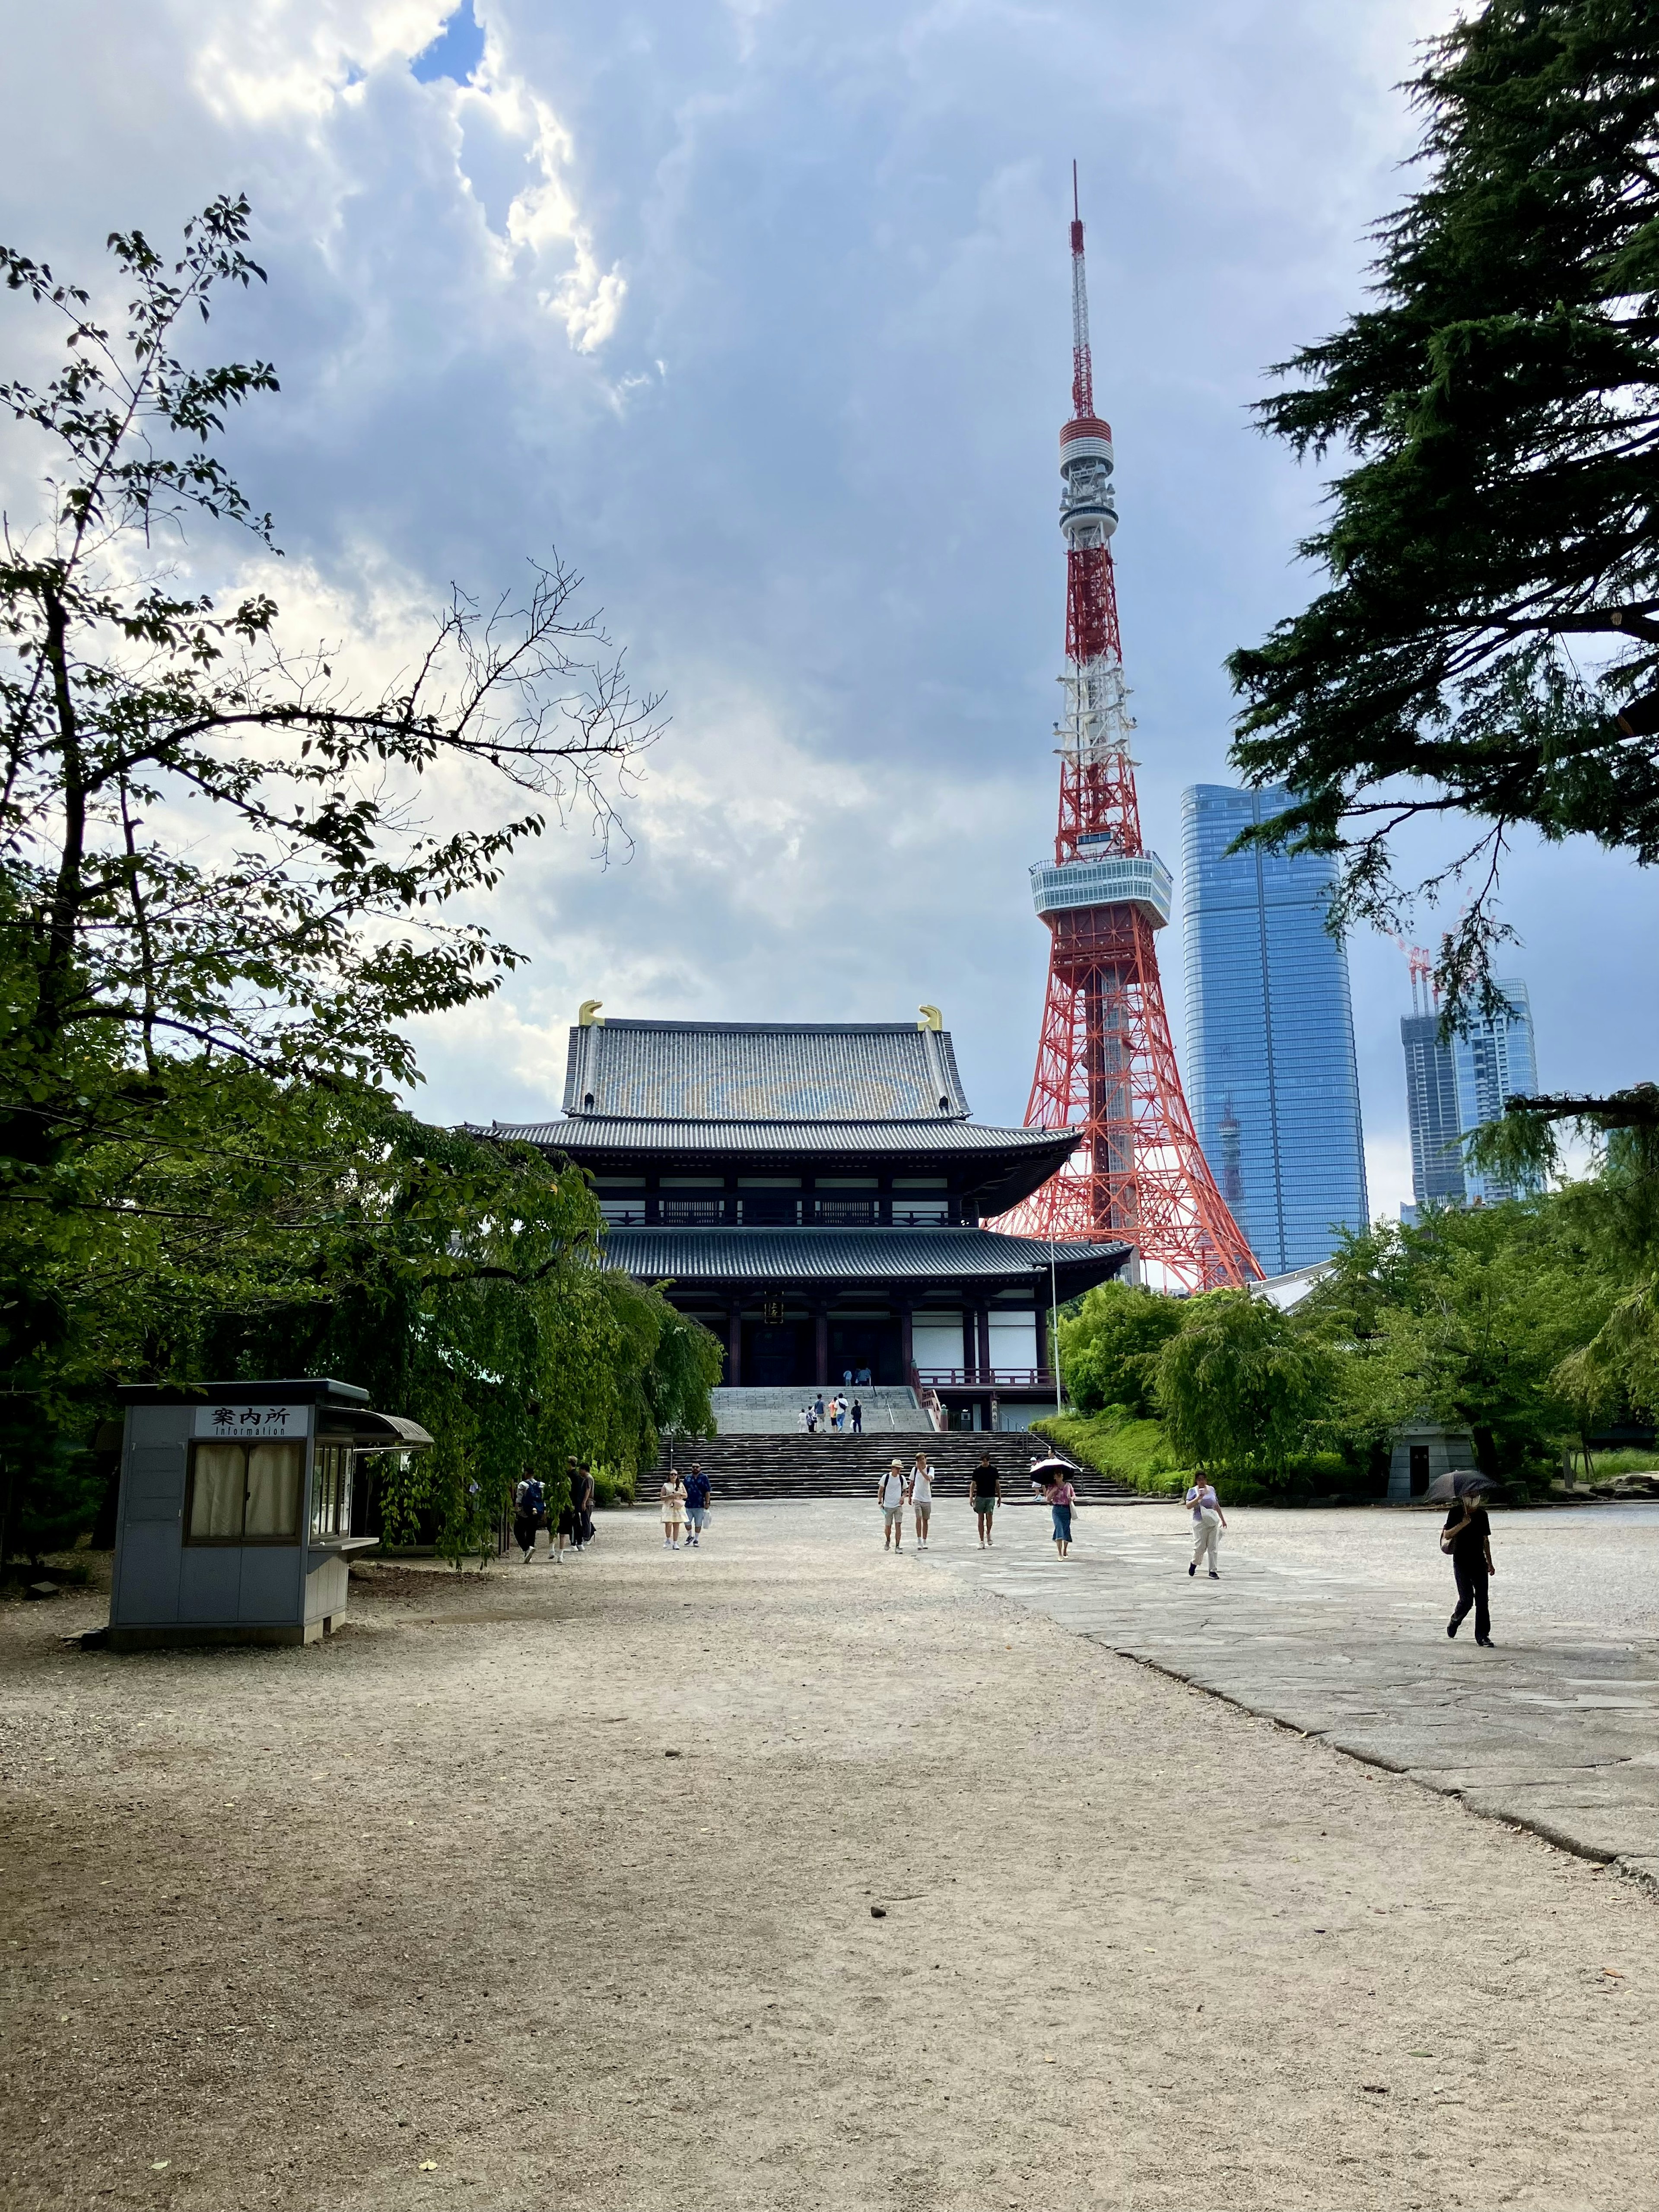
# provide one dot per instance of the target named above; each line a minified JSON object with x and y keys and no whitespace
{"x":888,"y":1408}
{"x":771,"y":1464}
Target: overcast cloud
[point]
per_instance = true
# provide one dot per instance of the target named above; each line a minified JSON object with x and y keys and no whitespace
{"x":759,"y":312}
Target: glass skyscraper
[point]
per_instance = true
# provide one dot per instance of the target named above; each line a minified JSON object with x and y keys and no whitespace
{"x":1453,"y":1088}
{"x":1270,"y":1061}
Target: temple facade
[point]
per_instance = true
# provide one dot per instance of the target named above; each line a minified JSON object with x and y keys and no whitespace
{"x":813,"y":1192}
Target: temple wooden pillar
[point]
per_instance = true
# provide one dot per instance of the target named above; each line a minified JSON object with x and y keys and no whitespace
{"x":907,"y":1341}
{"x":1042,"y":1335}
{"x":734,"y":1345}
{"x":982,"y":1331}
{"x":821,"y":1345}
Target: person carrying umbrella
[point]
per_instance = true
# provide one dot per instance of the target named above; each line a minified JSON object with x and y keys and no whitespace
{"x":1053,"y":1478}
{"x":1467,"y":1536}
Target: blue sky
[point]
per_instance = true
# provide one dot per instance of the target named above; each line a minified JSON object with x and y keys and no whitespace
{"x":758,"y":310}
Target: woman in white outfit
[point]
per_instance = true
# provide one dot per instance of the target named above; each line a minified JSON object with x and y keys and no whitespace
{"x":1208,"y":1521}
{"x":673,"y":1510}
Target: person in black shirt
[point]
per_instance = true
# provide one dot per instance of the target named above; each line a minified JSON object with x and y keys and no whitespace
{"x":1470,"y":1545}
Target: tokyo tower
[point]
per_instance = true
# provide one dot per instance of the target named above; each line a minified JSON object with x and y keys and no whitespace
{"x":1105,"y":1063}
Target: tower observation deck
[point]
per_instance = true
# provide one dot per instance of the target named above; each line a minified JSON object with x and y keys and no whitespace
{"x":1106,"y":1066}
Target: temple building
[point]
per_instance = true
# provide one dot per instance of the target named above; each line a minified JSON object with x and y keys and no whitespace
{"x":813,"y":1192}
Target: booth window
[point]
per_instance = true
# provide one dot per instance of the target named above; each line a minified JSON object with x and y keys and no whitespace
{"x":244,"y":1493}
{"x":331,"y":1491}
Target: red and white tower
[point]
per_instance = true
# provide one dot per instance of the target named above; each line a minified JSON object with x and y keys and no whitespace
{"x":1105,"y":1064}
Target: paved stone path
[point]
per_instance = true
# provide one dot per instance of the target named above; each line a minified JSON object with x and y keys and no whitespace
{"x":1335,"y":1624}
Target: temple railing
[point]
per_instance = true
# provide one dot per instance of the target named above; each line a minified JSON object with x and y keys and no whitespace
{"x":996,"y":1378}
{"x":928,"y":1399}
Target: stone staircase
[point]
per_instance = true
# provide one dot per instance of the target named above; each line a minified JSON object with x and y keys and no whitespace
{"x":757,"y":1464}
{"x":888,"y":1409}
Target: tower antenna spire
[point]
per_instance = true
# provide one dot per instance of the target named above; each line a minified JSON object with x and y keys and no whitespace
{"x":1106,"y":1066}
{"x":1082,"y":374}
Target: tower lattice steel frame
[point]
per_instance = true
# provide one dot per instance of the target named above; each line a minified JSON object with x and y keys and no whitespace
{"x":1105,"y":1063}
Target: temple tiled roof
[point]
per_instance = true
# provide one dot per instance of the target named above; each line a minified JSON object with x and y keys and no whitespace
{"x":889,"y":1255}
{"x":792,"y":1072}
{"x":578,"y":1135}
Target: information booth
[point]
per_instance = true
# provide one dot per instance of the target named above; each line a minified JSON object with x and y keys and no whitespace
{"x":235,"y":1516}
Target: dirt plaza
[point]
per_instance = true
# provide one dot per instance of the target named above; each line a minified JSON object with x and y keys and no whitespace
{"x":786,"y":1874}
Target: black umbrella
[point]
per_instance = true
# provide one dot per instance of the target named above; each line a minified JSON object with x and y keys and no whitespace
{"x":1456,"y":1483}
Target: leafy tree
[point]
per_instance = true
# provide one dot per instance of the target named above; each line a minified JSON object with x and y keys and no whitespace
{"x":494,"y":1323}
{"x":1466,"y":1316}
{"x":1109,"y":1347}
{"x":1499,"y":400}
{"x":208,"y":841}
{"x":1614,"y":1215}
{"x":220,"y":907}
{"x":1240,"y":1385}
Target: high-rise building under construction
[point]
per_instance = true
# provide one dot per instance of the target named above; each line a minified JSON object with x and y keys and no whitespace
{"x":1270,"y":1059}
{"x":1454,"y":1085}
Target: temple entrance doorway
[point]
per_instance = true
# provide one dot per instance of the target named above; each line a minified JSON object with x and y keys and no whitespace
{"x":776,"y":1353}
{"x":864,"y":1340}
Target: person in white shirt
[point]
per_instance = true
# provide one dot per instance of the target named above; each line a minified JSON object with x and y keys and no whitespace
{"x":922,"y":1498}
{"x":892,"y":1490}
{"x":1208,"y":1521}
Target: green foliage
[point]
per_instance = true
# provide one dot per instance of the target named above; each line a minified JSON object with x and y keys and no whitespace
{"x":218,"y":915}
{"x":1239,"y":1387}
{"x":611,"y":1490}
{"x":1136,"y":1452}
{"x":1499,"y":400}
{"x":1109,"y":1341}
{"x":1466,"y":1317}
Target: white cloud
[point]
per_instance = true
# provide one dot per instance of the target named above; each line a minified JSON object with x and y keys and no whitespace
{"x":829,"y":533}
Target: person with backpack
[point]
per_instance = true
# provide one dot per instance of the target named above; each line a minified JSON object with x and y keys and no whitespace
{"x":583,"y":1503}
{"x":985,"y":1494}
{"x":528,"y":1507}
{"x":892,"y":1490}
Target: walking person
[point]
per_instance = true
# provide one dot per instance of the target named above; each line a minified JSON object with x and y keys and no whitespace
{"x":892,"y":1490}
{"x":564,"y":1524}
{"x":1060,"y":1494}
{"x":527,"y":1506}
{"x":858,"y":1418}
{"x":697,"y":1504}
{"x":584,"y":1506}
{"x":673,"y":1509}
{"x":1467,"y":1536}
{"x":818,"y":1409}
{"x":1208,"y":1521}
{"x":922,"y":1498}
{"x":984,"y":1493}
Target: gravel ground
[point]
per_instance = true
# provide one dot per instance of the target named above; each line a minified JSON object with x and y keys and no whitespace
{"x":559,"y":1887}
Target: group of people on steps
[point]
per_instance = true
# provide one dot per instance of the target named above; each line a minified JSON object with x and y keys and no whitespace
{"x":572,"y":1530}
